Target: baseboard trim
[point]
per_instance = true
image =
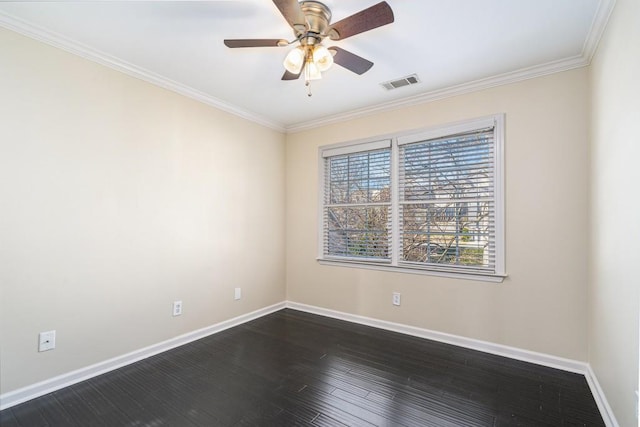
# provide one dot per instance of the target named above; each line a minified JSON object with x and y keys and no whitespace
{"x":24,"y":394}
{"x":542,"y":359}
{"x":484,"y":346}
{"x":598,"y":394}
{"x":33,"y":391}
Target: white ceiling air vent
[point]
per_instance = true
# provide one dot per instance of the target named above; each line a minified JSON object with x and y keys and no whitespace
{"x":403,"y":81}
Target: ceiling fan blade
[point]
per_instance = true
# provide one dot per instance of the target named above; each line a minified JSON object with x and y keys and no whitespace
{"x":351,"y":61}
{"x":254,"y":42}
{"x":365,"y":20}
{"x":292,"y":12}
{"x":291,"y":76}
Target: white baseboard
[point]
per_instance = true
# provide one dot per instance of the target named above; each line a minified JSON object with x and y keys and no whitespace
{"x":600,"y":398}
{"x":16,"y":397}
{"x":569,"y":365}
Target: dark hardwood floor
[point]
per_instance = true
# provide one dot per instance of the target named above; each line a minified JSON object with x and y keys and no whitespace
{"x":296,"y":369}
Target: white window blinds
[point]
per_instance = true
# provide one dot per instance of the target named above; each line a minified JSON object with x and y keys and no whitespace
{"x":428,"y":201}
{"x":447,"y":201}
{"x":357,"y":203}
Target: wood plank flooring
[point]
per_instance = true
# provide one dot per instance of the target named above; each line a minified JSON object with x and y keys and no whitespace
{"x":296,"y":369}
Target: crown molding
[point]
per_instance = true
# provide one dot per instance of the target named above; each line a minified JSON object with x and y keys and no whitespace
{"x":448,"y":92}
{"x":598,"y":25}
{"x":54,"y":39}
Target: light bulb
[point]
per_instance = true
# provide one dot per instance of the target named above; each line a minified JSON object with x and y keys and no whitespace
{"x":295,"y":60}
{"x":311,"y":71}
{"x":322,"y":57}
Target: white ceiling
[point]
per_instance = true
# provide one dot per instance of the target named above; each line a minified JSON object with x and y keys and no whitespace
{"x":453,"y":45}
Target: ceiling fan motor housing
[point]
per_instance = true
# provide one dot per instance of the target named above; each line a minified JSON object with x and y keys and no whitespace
{"x":316,"y":28}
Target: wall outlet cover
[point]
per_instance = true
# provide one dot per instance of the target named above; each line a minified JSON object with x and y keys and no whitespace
{"x":177,"y":308}
{"x":396,"y":298}
{"x":47,"y":341}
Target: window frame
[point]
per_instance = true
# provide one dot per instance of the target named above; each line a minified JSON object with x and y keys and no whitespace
{"x":497,"y":121}
{"x":357,"y":150}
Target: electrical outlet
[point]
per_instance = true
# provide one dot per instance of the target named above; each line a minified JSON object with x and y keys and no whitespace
{"x":47,"y":341}
{"x":237,"y":294}
{"x":396,"y":298}
{"x":177,"y":308}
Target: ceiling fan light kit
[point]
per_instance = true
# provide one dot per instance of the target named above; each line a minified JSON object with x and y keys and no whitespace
{"x":322,"y":58}
{"x":295,"y":60}
{"x":318,"y":55}
{"x":311,"y":23}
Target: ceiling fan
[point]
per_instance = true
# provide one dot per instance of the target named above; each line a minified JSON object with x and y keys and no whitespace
{"x":311,"y":23}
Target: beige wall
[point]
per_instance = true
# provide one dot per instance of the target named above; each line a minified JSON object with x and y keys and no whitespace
{"x":615,"y":210}
{"x":542,"y":305}
{"x":119,"y":197}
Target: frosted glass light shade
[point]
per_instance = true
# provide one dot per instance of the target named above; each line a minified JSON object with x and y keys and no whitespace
{"x":311,"y":71}
{"x":322,"y":57}
{"x":295,"y":60}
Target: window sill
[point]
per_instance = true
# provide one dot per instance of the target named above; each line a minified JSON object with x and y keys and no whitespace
{"x":494,"y":278}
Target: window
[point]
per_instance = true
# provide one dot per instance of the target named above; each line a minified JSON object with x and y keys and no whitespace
{"x":426,"y":202}
{"x":357,"y":212}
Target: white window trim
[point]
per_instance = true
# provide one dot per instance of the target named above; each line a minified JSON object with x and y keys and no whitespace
{"x":496,"y":120}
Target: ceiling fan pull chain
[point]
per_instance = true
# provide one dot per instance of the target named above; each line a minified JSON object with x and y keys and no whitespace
{"x":308,"y":85}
